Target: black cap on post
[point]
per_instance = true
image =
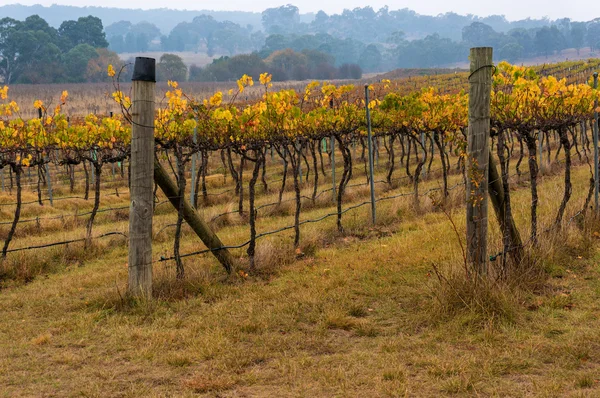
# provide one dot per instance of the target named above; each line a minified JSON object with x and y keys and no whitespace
{"x":144,"y":69}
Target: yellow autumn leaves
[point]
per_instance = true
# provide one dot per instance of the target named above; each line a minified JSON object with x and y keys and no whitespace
{"x":519,"y":96}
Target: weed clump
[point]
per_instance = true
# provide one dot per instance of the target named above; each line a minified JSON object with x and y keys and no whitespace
{"x":481,"y":301}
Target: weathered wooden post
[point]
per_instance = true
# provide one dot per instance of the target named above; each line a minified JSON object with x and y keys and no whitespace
{"x":332,"y":149}
{"x":541,"y":149}
{"x":142,"y":178}
{"x":196,"y":223}
{"x":424,"y":152}
{"x":480,"y":86}
{"x":49,"y":183}
{"x":47,"y":169}
{"x":193,"y":172}
{"x":595,"y":132}
{"x":370,"y":146}
{"x":298,"y":147}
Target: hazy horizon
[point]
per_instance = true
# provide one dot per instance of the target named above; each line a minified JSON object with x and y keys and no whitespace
{"x":511,"y":9}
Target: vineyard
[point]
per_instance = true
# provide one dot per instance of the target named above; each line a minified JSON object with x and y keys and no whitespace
{"x":282,"y":179}
{"x":417,"y":131}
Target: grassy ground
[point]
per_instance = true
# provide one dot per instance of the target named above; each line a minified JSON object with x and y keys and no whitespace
{"x":360,"y":314}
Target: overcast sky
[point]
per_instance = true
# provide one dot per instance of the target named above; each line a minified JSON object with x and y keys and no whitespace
{"x":512,"y":9}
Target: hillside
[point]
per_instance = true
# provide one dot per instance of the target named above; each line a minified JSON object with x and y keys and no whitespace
{"x":284,"y":260}
{"x":354,"y":315}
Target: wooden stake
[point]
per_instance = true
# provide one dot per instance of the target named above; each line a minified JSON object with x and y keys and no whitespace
{"x":198,"y":225}
{"x":142,"y":178}
{"x":480,"y":86}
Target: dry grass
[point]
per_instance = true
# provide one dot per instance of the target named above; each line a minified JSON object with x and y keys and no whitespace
{"x":96,"y":98}
{"x":353,"y":314}
{"x":271,"y":256}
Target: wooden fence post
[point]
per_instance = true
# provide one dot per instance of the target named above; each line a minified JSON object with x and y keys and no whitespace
{"x":370,"y":146}
{"x":47,"y":169}
{"x":142,"y":178}
{"x":193,"y":172}
{"x":595,"y":137}
{"x":332,"y":149}
{"x":480,"y":86}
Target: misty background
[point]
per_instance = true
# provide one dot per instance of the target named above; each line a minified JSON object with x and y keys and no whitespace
{"x":75,"y":44}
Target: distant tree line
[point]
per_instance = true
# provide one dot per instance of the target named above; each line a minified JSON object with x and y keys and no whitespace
{"x":203,"y":34}
{"x":31,"y":51}
{"x":519,"y":43}
{"x":283,"y":65}
{"x":374,"y":40}
{"x":289,"y":45}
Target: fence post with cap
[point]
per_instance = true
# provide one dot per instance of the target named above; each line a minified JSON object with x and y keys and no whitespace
{"x":142,"y":177}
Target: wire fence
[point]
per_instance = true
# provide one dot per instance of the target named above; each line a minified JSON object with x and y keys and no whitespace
{"x":39,"y":219}
{"x":279,"y":230}
{"x":66,"y":242}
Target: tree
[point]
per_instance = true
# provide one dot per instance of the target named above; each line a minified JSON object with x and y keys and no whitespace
{"x":250,"y":64}
{"x":548,"y":40}
{"x":76,"y":62}
{"x":118,"y":28}
{"x":511,"y":52}
{"x":130,"y":43}
{"x":217,"y":71}
{"x":319,"y":24}
{"x":479,"y":34}
{"x":148,"y":29}
{"x":196,"y":74}
{"x":284,"y":19}
{"x":86,"y":30}
{"x":578,"y":33}
{"x":229,"y":39}
{"x":141,"y":42}
{"x":432,"y":51}
{"x":349,"y":71}
{"x":125,"y":37}
{"x":275,"y":43}
{"x":523,"y":38}
{"x":346,"y":51}
{"x":396,"y":38}
{"x":287,"y":60}
{"x":593,"y":34}
{"x":40,"y":59}
{"x":370,"y":59}
{"x":171,"y":67}
{"x":317,"y":58}
{"x":97,"y":66}
{"x":34,"y":52}
{"x":144,"y":33}
{"x":36,"y":23}
{"x":9,"y":53}
{"x":28,"y":51}
{"x":116,"y":43}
